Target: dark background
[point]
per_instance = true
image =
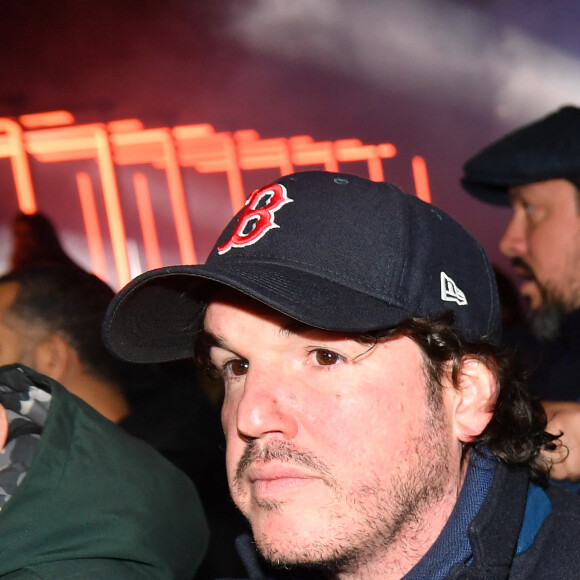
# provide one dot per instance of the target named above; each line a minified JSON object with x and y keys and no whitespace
{"x":439,"y":79}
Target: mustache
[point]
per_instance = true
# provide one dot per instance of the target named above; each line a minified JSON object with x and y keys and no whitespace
{"x":520,"y":264}
{"x":283,"y":452}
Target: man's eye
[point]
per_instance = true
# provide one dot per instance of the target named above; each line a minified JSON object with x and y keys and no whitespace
{"x":238,"y":367}
{"x":528,"y":208}
{"x":534,"y":213}
{"x":326,"y":357}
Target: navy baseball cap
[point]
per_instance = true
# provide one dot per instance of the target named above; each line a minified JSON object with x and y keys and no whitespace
{"x":330,"y":250}
{"x":546,"y":149}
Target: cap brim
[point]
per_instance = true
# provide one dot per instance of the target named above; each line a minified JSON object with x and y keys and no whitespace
{"x":155,"y":317}
{"x":489,"y":193}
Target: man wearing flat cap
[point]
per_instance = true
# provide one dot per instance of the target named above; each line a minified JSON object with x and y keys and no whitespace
{"x":374,"y":428}
{"x":536,"y":169}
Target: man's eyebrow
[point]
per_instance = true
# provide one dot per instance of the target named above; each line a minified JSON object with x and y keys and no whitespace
{"x":515,"y":194}
{"x":294,"y":327}
{"x":211,"y":339}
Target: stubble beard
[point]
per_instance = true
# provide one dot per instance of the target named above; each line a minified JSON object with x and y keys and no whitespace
{"x":388,"y":515}
{"x":545,"y":323}
{"x":558,"y":299}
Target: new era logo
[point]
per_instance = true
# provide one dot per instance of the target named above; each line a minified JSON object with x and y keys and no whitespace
{"x":450,"y":291}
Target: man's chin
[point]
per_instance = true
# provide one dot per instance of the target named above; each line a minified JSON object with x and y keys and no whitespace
{"x":303,"y":553}
{"x":294,"y":540}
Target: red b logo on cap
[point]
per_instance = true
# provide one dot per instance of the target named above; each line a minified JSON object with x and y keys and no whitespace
{"x":257,"y":217}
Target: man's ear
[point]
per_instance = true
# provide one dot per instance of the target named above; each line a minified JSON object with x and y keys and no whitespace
{"x":474,"y":398}
{"x":51,"y":357}
{"x":3,"y":427}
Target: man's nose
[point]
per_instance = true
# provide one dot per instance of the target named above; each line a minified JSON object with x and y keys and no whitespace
{"x":266,"y":406}
{"x":513,"y":242}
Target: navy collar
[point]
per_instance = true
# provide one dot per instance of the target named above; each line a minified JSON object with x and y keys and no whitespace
{"x":453,"y":545}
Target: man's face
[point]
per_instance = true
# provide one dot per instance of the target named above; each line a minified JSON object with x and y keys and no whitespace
{"x":543,"y":237}
{"x":333,"y":452}
{"x":17,"y":341}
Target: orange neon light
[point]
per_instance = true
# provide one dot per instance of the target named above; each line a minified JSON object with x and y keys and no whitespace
{"x":50,"y":119}
{"x":52,"y":137}
{"x":63,"y":143}
{"x":178,"y":203}
{"x":156,"y":147}
{"x":147,"y":218}
{"x":113,"y":206}
{"x":91,"y":221}
{"x":354,"y":150}
{"x":125,"y":126}
{"x":254,"y":153}
{"x":421,"y":178}
{"x":306,"y":152}
{"x":208,"y":152}
{"x":12,"y":146}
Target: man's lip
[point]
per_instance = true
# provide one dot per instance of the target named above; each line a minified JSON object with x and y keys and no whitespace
{"x":279,"y":482}
{"x":277,"y":472}
{"x":524,"y":273}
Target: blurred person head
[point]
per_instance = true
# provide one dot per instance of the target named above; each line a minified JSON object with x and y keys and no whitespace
{"x":50,"y":320}
{"x":35,"y":242}
{"x":355,"y":330}
{"x":536,"y":169}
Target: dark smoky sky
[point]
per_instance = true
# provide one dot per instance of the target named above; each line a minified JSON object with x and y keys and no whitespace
{"x":439,"y":79}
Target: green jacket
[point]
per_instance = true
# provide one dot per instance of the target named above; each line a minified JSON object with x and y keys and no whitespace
{"x":95,"y":503}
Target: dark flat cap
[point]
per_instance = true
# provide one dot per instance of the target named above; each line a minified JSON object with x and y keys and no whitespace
{"x":546,"y":149}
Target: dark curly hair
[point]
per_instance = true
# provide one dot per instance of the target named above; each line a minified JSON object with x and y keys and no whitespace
{"x":516,"y":432}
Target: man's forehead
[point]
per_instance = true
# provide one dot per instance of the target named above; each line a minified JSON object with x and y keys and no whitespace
{"x":222,"y":314}
{"x":516,"y":191}
{"x":237,"y":302}
{"x":229,"y":302}
{"x":546,"y":187}
{"x":224,"y":296}
{"x":520,"y":193}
